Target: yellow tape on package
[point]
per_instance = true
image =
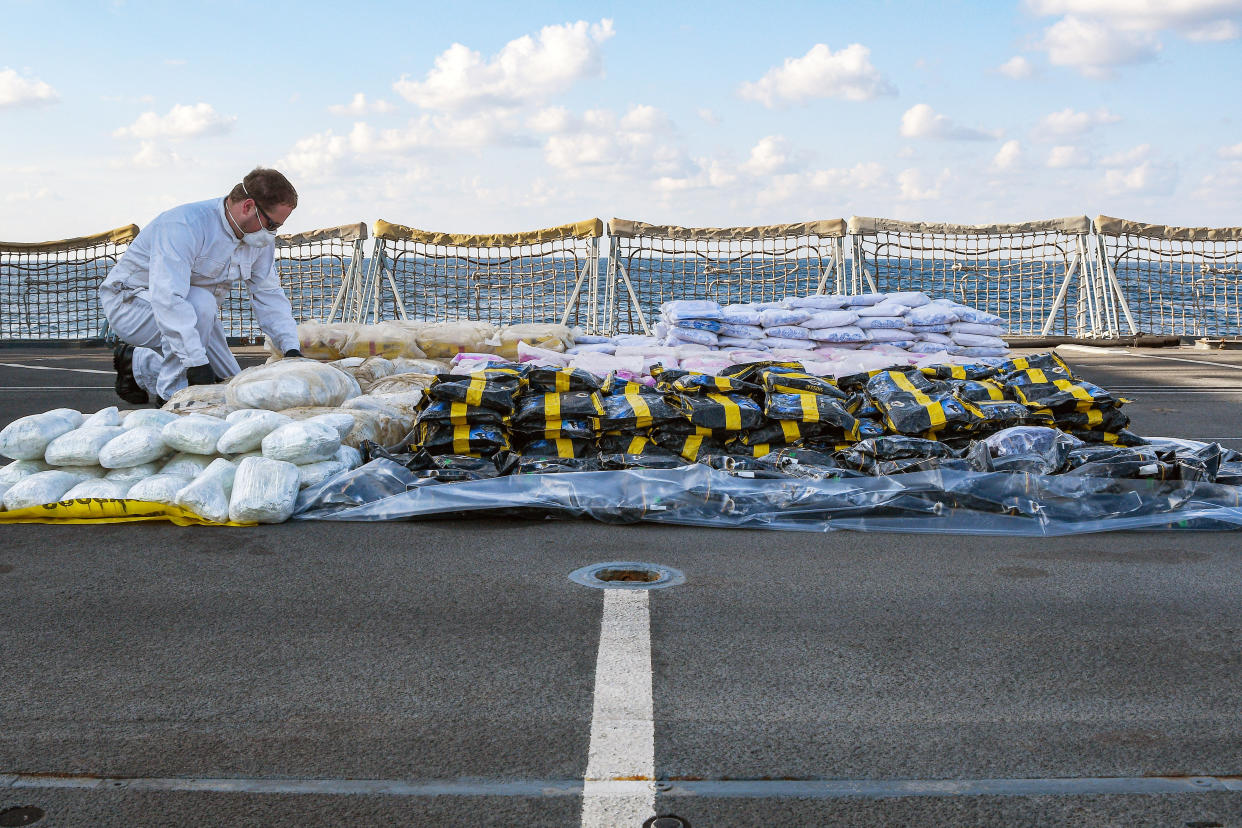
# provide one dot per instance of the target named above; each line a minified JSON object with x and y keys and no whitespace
{"x":108,"y":510}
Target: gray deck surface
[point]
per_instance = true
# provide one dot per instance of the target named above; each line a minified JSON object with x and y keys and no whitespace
{"x":457,"y":653}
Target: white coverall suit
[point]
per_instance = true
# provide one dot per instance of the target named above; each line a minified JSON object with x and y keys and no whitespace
{"x":163,"y":295}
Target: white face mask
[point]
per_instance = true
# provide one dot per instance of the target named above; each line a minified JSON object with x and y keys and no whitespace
{"x":259,"y":238}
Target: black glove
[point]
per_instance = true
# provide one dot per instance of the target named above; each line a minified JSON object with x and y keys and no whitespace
{"x":292,"y":352}
{"x":201,"y":375}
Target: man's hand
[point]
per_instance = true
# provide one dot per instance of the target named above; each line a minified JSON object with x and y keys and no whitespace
{"x":292,"y":352}
{"x":201,"y":375}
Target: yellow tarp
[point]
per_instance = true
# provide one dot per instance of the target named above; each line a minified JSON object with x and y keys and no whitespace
{"x":587,"y":229}
{"x":121,"y":235}
{"x":107,"y":510}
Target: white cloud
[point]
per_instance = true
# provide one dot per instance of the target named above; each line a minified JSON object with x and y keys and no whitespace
{"x":552,"y":120}
{"x":914,"y":185}
{"x":1008,"y":155}
{"x":1131,"y":156}
{"x":358,"y":106}
{"x":524,"y":70}
{"x":182,"y":121}
{"x":820,"y":73}
{"x":151,"y":156}
{"x":1194,"y":19}
{"x":773,"y":154}
{"x":1094,"y":48}
{"x":861,"y":177}
{"x":1017,"y":68}
{"x":1148,"y":177}
{"x":708,"y":117}
{"x":1234,"y":151}
{"x":921,"y":121}
{"x":1067,"y":155}
{"x":1068,"y":122}
{"x":16,"y":90}
{"x":638,"y":146}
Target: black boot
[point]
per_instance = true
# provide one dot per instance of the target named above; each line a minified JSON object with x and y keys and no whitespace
{"x":127,"y":388}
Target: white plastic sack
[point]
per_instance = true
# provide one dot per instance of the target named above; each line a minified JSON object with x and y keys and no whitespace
{"x":871,"y":322}
{"x":18,"y":469}
{"x":208,"y":495}
{"x":547,"y":336}
{"x":148,"y":417}
{"x":200,"y":399}
{"x":976,"y":328}
{"x":830,"y":319}
{"x":264,"y":491}
{"x":133,"y":474}
{"x":27,"y":438}
{"x":83,"y":471}
{"x":301,"y":442}
{"x":312,"y":474}
{"x":740,"y":314}
{"x":247,"y":433}
{"x":110,"y":416}
{"x":134,"y":446}
{"x":976,"y":340}
{"x":774,"y":317}
{"x":81,"y":446}
{"x":340,"y":422}
{"x":849,"y":333}
{"x":187,"y":465}
{"x":350,"y":456}
{"x":818,"y":302}
{"x":158,"y":488}
{"x":691,"y":309}
{"x":195,"y":433}
{"x":291,"y":383}
{"x":37,"y":489}
{"x":104,"y":488}
{"x":936,"y":313}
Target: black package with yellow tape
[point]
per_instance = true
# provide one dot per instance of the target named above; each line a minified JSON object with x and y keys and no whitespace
{"x":489,"y":389}
{"x":563,"y":447}
{"x":785,"y":432}
{"x":867,"y":454}
{"x":616,"y":386}
{"x":786,"y":381}
{"x":694,"y":383}
{"x":1095,"y":419}
{"x":562,"y":379}
{"x":635,"y":411}
{"x":689,"y":446}
{"x":441,"y":468}
{"x":810,"y":409}
{"x":445,"y":438}
{"x":533,"y":409}
{"x":972,"y":371}
{"x":579,"y":429}
{"x":1047,"y":361}
{"x":977,"y":390}
{"x":998,"y":414}
{"x":460,"y":413}
{"x":620,"y":442}
{"x":913,"y":405}
{"x":1035,"y":388}
{"x":749,"y":371}
{"x":1121,"y":437}
{"x":727,"y":412}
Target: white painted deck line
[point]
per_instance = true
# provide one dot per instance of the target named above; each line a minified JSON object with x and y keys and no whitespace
{"x":49,"y":368}
{"x":619,"y":786}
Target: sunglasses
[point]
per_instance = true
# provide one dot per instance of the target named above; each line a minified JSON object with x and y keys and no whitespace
{"x":270,"y":225}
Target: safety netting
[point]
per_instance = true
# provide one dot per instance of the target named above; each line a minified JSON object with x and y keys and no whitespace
{"x":1174,"y":280}
{"x":650,"y":264}
{"x":322,"y":272}
{"x":546,"y":276}
{"x":1035,"y":275}
{"x":48,"y":290}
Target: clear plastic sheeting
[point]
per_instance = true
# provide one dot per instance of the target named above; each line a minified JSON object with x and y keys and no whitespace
{"x":938,"y":501}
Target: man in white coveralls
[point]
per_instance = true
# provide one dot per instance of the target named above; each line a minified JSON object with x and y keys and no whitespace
{"x":163,"y":296}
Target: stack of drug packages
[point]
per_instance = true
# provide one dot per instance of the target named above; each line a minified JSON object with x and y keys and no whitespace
{"x":749,"y":410}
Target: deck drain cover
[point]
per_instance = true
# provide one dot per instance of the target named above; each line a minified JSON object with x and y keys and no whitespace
{"x":627,"y":575}
{"x":666,"y":821}
{"x":26,"y":815}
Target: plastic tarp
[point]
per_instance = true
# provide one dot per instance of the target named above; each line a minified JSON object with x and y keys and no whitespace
{"x":343,"y":233}
{"x":121,"y":235}
{"x":940,"y":501}
{"x":628,"y":228}
{"x":586,"y":229}
{"x":1109,"y":226}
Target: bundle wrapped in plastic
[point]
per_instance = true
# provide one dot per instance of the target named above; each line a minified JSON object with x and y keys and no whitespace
{"x":441,"y":340}
{"x":303,"y":441}
{"x":460,"y":413}
{"x":101,"y":488}
{"x":247,"y":428}
{"x":813,"y":409}
{"x":562,"y":379}
{"x":569,"y":429}
{"x":208,"y":494}
{"x":386,"y":339}
{"x":81,"y":446}
{"x":635,"y":411}
{"x":40,"y":488}
{"x":158,"y":488}
{"x":563,"y":447}
{"x":133,"y":447}
{"x":319,"y":340}
{"x":727,"y":412}
{"x":536,"y":409}
{"x":148,"y":418}
{"x":186,"y":465}
{"x":27,"y":438}
{"x":492,"y":388}
{"x":370,"y":370}
{"x":1048,"y":389}
{"x":539,"y":335}
{"x":195,"y":433}
{"x":19,"y":469}
{"x":690,"y":382}
{"x":264,"y":491}
{"x":200,"y":399}
{"x":475,"y":440}
{"x":913,"y":405}
{"x":132,"y":474}
{"x":894,"y":454}
{"x":291,"y":383}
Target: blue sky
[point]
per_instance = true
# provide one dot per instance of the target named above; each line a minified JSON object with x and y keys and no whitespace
{"x":495,"y":117}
